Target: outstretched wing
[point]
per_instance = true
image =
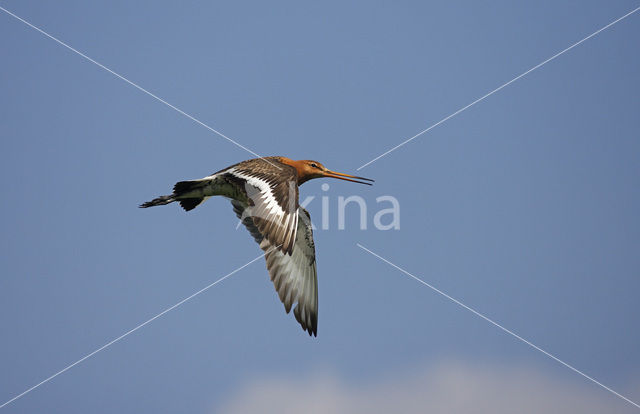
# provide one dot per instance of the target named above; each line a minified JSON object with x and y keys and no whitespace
{"x":272,"y":200}
{"x":293,"y":275}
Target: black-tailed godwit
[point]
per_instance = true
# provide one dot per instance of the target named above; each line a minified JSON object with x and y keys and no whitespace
{"x":264,"y":195}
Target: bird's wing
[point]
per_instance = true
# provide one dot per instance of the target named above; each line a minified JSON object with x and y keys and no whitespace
{"x":272,"y":201}
{"x":294,"y":276}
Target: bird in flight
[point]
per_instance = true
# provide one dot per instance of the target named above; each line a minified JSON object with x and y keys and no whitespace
{"x":264,"y":196}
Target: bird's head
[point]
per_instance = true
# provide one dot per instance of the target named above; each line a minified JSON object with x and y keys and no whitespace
{"x":310,"y":169}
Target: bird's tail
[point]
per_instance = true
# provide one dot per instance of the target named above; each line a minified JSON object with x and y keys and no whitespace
{"x":188,"y":193}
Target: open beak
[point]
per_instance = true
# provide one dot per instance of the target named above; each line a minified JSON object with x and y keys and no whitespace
{"x":342,"y":176}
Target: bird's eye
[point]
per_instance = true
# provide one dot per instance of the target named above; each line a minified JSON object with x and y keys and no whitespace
{"x":314,"y":165}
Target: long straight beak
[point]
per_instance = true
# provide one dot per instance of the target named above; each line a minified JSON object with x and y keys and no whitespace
{"x":342,"y":176}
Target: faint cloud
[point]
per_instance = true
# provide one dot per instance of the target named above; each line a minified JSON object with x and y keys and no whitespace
{"x":450,"y":387}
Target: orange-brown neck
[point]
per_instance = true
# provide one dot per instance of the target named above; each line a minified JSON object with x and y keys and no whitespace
{"x":304,"y":172}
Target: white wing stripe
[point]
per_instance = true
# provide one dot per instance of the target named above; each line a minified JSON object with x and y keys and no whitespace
{"x":276,"y":221}
{"x":271,"y":203}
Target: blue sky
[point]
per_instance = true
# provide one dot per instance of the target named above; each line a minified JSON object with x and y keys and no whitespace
{"x":524,"y":207}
